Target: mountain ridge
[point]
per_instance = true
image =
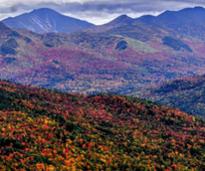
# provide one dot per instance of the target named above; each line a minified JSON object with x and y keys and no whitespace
{"x":46,"y":20}
{"x":187,"y":94}
{"x":186,"y":22}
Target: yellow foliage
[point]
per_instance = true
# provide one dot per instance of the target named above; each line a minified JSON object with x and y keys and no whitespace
{"x":50,"y":168}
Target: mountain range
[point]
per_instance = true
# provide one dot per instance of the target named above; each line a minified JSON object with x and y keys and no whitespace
{"x":186,"y":22}
{"x":68,"y":92}
{"x":126,"y":56}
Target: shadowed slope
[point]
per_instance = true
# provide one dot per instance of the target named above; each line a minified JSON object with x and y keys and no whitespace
{"x":187,"y":94}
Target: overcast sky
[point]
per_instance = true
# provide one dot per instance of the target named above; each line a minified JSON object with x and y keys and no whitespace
{"x":96,"y":11}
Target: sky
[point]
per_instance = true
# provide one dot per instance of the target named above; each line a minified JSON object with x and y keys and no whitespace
{"x":96,"y":11}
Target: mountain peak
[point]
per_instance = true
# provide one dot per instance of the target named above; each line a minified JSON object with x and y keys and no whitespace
{"x":44,"y":20}
{"x":188,"y":21}
{"x":124,"y":16}
{"x":45,"y":10}
{"x":122,"y":19}
{"x":185,"y":10}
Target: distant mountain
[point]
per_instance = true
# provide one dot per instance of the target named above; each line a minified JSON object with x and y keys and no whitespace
{"x":188,"y":21}
{"x":47,"y":130}
{"x":125,"y":56}
{"x":121,"y":20}
{"x":46,"y":20}
{"x":188,"y":94}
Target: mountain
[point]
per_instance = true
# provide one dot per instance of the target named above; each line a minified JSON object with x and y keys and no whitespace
{"x":47,"y":130}
{"x":46,"y":20}
{"x":125,"y":57}
{"x":122,"y":59}
{"x":186,"y":94}
{"x":121,"y":20}
{"x":188,"y":22}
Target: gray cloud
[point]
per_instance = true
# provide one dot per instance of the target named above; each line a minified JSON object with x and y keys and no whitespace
{"x":100,"y":11}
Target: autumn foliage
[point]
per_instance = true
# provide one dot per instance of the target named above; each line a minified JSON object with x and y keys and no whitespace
{"x":48,"y":131}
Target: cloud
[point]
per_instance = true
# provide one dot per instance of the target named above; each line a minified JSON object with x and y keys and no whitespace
{"x":97,"y":11}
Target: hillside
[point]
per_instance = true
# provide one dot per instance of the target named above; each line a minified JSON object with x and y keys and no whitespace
{"x":125,"y":56}
{"x":46,"y":130}
{"x":46,"y":20}
{"x":10,"y":43}
{"x":187,"y":94}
